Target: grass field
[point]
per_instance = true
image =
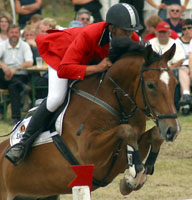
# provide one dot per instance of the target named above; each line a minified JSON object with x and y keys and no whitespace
{"x":172,"y":179}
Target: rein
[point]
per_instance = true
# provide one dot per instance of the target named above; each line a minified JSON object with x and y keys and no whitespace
{"x":149,"y":111}
{"x":122,"y":115}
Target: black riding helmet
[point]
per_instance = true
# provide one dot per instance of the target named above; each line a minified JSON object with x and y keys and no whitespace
{"x":124,"y":16}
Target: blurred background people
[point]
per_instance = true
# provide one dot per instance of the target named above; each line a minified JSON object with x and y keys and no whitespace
{"x":93,"y":6}
{"x":15,"y":54}
{"x":151,"y":24}
{"x":161,"y":44}
{"x":34,"y":20}
{"x":26,"y":9}
{"x":185,"y":77}
{"x":162,"y":6}
{"x":29,"y":35}
{"x":44,"y":25}
{"x":175,"y":18}
{"x":5,"y":21}
{"x":84,"y":16}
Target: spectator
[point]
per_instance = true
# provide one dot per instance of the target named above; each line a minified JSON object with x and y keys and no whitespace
{"x":49,"y":22}
{"x":35,"y":19}
{"x":5,"y":20}
{"x":151,"y":24}
{"x":29,"y":34}
{"x":185,"y":77}
{"x":26,"y":9}
{"x":84,"y":16}
{"x":161,"y":44}
{"x":164,"y":4}
{"x":93,"y":6}
{"x":15,"y":55}
{"x":42,"y":28}
{"x":174,"y":20}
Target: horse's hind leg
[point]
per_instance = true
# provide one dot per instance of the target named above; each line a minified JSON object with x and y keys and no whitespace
{"x":151,"y":140}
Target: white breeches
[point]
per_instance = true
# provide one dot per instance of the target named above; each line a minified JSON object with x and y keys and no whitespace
{"x":57,"y":89}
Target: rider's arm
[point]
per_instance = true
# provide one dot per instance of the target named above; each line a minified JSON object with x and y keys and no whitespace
{"x":74,"y":64}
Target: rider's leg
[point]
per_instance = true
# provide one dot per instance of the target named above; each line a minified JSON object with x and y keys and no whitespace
{"x":41,"y":118}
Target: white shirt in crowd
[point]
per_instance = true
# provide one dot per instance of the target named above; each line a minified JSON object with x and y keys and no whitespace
{"x":186,"y":48}
{"x":159,"y":48}
{"x":14,"y":57}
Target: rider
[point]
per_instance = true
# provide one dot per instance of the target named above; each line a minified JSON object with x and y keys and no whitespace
{"x":68,"y":54}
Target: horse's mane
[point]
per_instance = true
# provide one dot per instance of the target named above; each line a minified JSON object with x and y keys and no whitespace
{"x":123,"y":45}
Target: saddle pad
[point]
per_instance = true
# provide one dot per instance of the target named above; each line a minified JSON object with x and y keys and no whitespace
{"x":44,"y":137}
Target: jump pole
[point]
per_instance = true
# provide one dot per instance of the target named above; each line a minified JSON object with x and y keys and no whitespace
{"x":81,"y":193}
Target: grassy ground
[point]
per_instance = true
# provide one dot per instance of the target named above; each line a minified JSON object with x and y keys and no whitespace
{"x":172,"y":179}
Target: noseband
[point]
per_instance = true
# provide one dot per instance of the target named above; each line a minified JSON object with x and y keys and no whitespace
{"x":148,"y":110}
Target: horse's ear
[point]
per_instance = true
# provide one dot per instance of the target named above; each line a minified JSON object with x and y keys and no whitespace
{"x":148,"y":53}
{"x":168,"y":55}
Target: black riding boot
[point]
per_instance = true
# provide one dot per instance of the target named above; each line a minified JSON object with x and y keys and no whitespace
{"x":38,"y":122}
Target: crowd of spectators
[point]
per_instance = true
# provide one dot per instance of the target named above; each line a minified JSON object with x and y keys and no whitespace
{"x":166,"y":25}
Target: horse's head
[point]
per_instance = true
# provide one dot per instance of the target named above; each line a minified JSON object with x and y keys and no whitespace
{"x":145,"y":78}
{"x":157,"y":86}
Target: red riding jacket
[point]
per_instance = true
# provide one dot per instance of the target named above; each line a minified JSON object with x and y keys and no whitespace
{"x":70,"y":51}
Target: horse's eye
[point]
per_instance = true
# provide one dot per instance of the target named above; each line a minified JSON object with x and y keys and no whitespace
{"x":150,"y":85}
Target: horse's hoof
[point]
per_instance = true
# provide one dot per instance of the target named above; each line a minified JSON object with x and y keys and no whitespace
{"x":124,"y":187}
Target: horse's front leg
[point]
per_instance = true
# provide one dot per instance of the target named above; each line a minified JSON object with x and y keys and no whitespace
{"x":155,"y":141}
{"x":149,"y":145}
{"x":132,"y":179}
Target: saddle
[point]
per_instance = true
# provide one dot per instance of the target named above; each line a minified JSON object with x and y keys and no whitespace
{"x":54,"y":128}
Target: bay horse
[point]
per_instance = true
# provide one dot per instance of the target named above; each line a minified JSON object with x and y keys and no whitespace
{"x":137,"y":86}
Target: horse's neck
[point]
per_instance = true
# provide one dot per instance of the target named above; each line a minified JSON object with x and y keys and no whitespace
{"x":125,"y":72}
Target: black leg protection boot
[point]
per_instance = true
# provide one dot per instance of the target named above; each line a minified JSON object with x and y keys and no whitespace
{"x":38,"y":122}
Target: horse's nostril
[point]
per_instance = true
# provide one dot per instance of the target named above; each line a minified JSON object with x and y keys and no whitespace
{"x":170,"y":133}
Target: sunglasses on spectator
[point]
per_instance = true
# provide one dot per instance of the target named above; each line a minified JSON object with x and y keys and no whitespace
{"x":185,"y":28}
{"x":84,"y":18}
{"x":175,"y":10}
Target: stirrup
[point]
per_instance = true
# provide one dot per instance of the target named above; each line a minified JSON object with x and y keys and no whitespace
{"x":15,"y":158}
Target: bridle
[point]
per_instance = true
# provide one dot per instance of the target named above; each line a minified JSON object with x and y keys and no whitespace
{"x":148,"y":110}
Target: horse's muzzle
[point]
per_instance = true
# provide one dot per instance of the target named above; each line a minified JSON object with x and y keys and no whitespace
{"x":169,"y":132}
